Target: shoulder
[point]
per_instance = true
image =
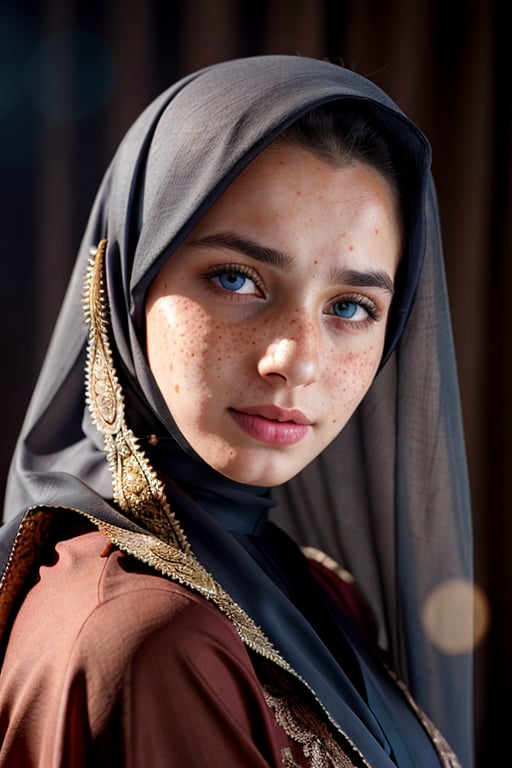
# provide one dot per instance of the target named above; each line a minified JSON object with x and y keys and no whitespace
{"x":103,"y":643}
{"x":91,"y":607}
{"x":131,"y":607}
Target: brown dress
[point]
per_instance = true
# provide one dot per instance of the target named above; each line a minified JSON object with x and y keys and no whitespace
{"x":111,"y":664}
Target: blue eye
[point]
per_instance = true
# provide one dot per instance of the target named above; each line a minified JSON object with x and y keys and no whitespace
{"x":234,"y":281}
{"x":345,"y":309}
{"x":231,"y":281}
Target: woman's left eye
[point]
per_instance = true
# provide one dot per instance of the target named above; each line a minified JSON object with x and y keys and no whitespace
{"x":354,"y":310}
{"x":234,"y":281}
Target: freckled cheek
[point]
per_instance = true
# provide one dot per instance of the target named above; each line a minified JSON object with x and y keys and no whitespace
{"x":189,"y":348}
{"x":176,"y":332}
{"x":350,"y":376}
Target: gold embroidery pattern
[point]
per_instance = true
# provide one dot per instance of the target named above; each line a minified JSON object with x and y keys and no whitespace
{"x":287,"y":760}
{"x":301,"y":724}
{"x":136,"y":487}
{"x":29,"y":543}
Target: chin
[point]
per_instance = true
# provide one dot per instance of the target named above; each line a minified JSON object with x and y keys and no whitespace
{"x":265,"y":477}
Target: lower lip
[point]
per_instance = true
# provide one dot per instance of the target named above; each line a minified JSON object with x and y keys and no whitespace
{"x":270,"y":431}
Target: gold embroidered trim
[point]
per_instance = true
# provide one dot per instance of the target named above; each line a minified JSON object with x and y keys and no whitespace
{"x":301,"y":724}
{"x":29,"y":543}
{"x":287,"y":760}
{"x":136,"y":487}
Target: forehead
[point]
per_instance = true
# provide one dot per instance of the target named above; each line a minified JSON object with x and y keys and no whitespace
{"x":299,"y":215}
{"x":286,"y":182}
{"x":283,"y":165}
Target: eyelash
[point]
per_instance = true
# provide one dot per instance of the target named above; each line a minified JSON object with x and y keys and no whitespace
{"x":364,"y":302}
{"x":234,"y":269}
{"x":361,"y":301}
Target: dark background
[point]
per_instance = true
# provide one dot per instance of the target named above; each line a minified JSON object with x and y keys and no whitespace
{"x":73,"y":75}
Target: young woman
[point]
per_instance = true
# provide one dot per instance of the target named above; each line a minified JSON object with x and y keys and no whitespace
{"x":265,"y":347}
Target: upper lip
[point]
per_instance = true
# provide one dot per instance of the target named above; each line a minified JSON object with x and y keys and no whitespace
{"x":276,"y":413}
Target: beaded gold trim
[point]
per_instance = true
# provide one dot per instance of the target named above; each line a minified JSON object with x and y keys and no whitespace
{"x":28,"y":545}
{"x":136,"y":487}
{"x":287,"y":760}
{"x":301,"y":723}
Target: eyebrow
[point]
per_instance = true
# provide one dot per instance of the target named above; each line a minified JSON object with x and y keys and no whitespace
{"x":233,"y":242}
{"x":377,"y":278}
{"x":373,"y":278}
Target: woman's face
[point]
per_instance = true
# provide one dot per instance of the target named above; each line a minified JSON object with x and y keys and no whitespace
{"x":266,"y":327}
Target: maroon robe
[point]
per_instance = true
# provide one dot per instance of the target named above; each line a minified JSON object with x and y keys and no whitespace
{"x":111,"y":664}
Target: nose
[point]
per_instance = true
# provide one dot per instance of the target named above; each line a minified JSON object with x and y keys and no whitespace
{"x":292,"y":358}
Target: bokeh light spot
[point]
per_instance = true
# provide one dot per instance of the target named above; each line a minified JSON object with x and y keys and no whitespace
{"x":456,"y":616}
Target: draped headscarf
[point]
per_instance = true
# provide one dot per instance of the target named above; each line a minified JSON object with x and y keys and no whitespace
{"x":389,"y":498}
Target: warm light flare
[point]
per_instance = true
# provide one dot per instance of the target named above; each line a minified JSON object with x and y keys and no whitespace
{"x":456,"y":616}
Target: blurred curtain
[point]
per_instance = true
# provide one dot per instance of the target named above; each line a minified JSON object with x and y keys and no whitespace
{"x":74,"y":75}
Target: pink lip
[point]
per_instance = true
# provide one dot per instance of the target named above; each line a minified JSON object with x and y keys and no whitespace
{"x":272,"y":424}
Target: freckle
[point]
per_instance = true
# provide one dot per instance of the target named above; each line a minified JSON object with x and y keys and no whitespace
{"x":177,"y":389}
{"x":376,"y":230}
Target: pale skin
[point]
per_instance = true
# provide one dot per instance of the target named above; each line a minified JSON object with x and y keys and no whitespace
{"x":266,"y":327}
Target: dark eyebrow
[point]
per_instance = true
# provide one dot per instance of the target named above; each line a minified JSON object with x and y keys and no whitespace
{"x":369,"y":279}
{"x":234,"y":242}
{"x":275,"y":258}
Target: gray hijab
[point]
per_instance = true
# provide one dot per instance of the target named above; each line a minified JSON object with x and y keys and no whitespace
{"x":389,"y":498}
